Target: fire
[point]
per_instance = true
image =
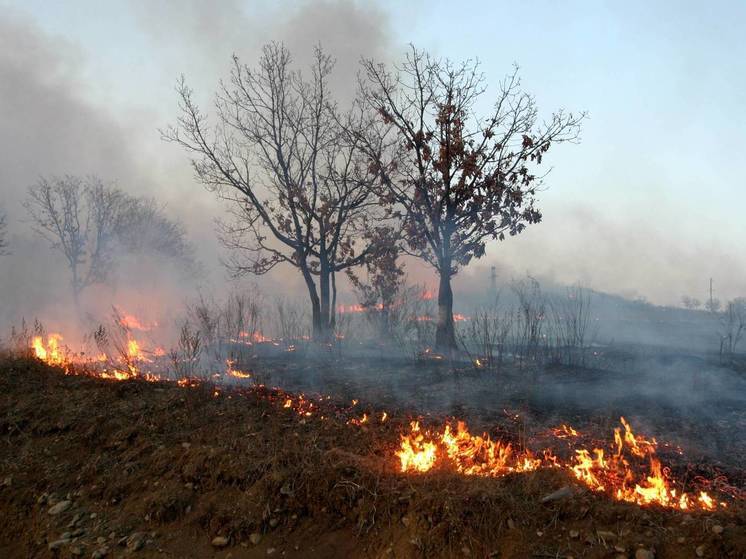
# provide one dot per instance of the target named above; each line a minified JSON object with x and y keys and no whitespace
{"x":253,"y":337}
{"x":626,"y":469}
{"x":469,"y":454}
{"x":131,"y":322}
{"x":565,"y":432}
{"x":133,"y":350}
{"x":629,"y":472}
{"x":51,"y":352}
{"x":416,"y":453}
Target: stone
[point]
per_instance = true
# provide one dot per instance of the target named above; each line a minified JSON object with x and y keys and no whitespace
{"x":717,"y":529}
{"x":76,"y":550}
{"x":219,"y":541}
{"x":273,"y":522}
{"x":255,"y":538}
{"x":700,"y":551}
{"x":558,"y":495}
{"x":643,"y":553}
{"x":574,"y":534}
{"x":100,"y":553}
{"x":57,"y":544}
{"x":60,"y":507}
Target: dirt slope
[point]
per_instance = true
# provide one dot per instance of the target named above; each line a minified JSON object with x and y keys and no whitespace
{"x":94,"y":468}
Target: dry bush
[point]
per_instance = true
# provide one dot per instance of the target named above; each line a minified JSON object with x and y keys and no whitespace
{"x":412,"y":320}
{"x":570,"y":326}
{"x":528,"y":321}
{"x":186,"y":356}
{"x":226,"y":328}
{"x":485,"y":336}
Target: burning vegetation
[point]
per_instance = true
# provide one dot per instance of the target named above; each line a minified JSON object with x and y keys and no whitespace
{"x":378,"y":417}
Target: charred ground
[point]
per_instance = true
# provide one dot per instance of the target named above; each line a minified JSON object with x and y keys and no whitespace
{"x":166,"y":470}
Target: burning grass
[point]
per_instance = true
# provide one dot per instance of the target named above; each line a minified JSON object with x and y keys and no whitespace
{"x":307,"y":472}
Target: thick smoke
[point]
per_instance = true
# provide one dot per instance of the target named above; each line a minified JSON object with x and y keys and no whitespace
{"x":55,"y":123}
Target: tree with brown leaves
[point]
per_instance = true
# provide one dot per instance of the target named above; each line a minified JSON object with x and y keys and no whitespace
{"x":286,"y":160}
{"x":459,"y":179}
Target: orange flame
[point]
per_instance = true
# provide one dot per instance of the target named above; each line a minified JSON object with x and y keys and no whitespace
{"x":639,"y":478}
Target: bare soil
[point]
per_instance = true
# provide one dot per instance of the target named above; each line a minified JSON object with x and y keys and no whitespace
{"x":155,"y":469}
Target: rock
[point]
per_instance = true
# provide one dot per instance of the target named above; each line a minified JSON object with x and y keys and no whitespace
{"x":717,"y":529}
{"x":680,"y":539}
{"x":511,"y":524}
{"x":186,"y":445}
{"x":100,"y":540}
{"x":255,"y":538}
{"x":273,"y":522}
{"x":219,"y":541}
{"x":643,"y":553}
{"x":60,"y":507}
{"x":76,"y":550}
{"x":271,"y":550}
{"x":574,"y":534}
{"x":75,"y":520}
{"x":136,"y":541}
{"x":562,"y":493}
{"x":100,"y":553}
{"x":700,"y":551}
{"x":57,"y":544}
{"x":78,"y":532}
{"x":93,"y":516}
{"x":66,"y":536}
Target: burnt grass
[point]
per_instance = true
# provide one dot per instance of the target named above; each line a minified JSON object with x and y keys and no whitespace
{"x":174,"y":468}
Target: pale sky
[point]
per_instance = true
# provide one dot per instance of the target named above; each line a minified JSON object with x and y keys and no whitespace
{"x":652,"y":202}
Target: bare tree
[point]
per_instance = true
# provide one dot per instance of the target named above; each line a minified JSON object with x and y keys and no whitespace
{"x":3,"y":234}
{"x":88,"y":222}
{"x":690,"y":303}
{"x":300,"y":189}
{"x":732,"y":326}
{"x":461,"y":179}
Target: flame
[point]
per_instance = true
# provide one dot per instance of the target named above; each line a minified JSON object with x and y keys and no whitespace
{"x":627,"y":468}
{"x":416,"y":454}
{"x":253,"y":337}
{"x":51,"y":352}
{"x":565,"y":432}
{"x":631,"y":472}
{"x":131,"y":322}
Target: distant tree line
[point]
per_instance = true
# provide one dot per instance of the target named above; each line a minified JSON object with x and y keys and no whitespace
{"x":92,"y":224}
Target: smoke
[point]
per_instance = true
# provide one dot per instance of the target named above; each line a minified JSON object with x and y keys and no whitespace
{"x":60,"y":115}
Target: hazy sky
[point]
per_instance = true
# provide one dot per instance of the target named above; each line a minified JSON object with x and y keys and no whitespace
{"x":652,"y":202}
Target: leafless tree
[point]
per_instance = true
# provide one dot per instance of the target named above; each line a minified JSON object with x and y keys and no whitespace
{"x":460,"y":179}
{"x":88,"y":222}
{"x":3,"y":234}
{"x":300,"y":189}
{"x":690,"y":303}
{"x":732,"y":326}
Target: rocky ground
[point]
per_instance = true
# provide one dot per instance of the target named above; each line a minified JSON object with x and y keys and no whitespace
{"x":95,"y":468}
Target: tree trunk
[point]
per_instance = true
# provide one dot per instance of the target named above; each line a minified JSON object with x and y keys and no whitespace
{"x":445,"y":334}
{"x":324,"y":333}
{"x":317,"y":324}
